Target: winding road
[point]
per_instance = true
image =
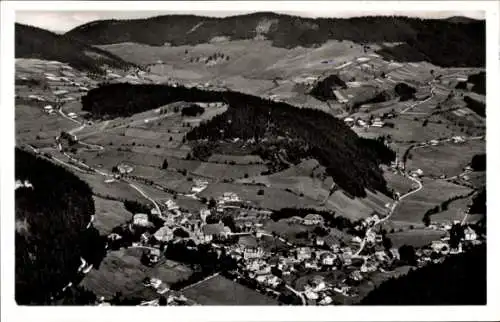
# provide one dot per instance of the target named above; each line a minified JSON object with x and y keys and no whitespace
{"x":393,"y":207}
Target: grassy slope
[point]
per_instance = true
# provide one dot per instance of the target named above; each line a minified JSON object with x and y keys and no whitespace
{"x":32,"y":42}
{"x":289,"y":32}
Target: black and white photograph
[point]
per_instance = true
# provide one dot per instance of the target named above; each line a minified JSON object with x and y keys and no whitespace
{"x":240,"y":155}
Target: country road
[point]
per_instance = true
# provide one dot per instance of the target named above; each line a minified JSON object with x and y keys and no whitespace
{"x":393,"y":207}
{"x":420,"y":102}
{"x":144,"y":195}
{"x":299,"y":294}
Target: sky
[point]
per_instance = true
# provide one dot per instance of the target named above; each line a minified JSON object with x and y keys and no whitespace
{"x":61,"y":21}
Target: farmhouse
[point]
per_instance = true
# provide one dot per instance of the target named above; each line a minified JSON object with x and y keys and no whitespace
{"x":60,"y":92}
{"x":328,"y":259}
{"x":153,"y":256}
{"x":171,"y":205}
{"x":215,"y":230}
{"x":313,"y":219}
{"x":470,"y":234}
{"x":164,"y":234}
{"x":124,"y":168}
{"x":304,"y":253}
{"x":141,"y":220}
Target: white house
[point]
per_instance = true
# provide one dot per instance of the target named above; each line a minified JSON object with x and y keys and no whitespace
{"x":470,"y":234}
{"x":141,"y":220}
{"x":312,"y":219}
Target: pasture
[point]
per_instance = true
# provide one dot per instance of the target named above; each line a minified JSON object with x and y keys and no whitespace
{"x":222,"y":291}
{"x":415,"y":237}
{"x":109,"y":214}
{"x":433,"y":193}
{"x":122,"y":271}
{"x":447,"y":158}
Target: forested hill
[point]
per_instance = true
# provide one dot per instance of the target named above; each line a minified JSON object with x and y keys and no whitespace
{"x":442,"y":42}
{"x":51,"y":219}
{"x":32,"y":42}
{"x":459,"y":280}
{"x":351,"y":161}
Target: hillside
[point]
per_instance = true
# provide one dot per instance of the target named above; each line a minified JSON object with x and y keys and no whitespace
{"x":351,"y":161}
{"x":51,"y":235}
{"x":441,"y":42}
{"x":32,"y":42}
{"x":459,"y":280}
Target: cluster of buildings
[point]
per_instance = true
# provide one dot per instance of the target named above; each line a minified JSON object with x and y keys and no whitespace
{"x":375,"y":122}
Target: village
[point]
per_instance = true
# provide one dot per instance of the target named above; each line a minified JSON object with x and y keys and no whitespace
{"x":271,"y":270}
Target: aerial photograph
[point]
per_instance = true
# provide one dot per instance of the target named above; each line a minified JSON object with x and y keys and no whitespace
{"x":251,"y":158}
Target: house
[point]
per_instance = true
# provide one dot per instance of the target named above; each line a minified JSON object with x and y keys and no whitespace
{"x":325,"y":300}
{"x":394,"y":252}
{"x":357,"y":240}
{"x":141,"y":220}
{"x":378,"y":124}
{"x":153,"y":255}
{"x":215,"y":230}
{"x":458,"y":139}
{"x":48,"y":108}
{"x":252,"y":252}
{"x":304,"y":253}
{"x":328,"y":259}
{"x":311,"y":264}
{"x":313,"y":219}
{"x":145,"y":237}
{"x":154,"y":211}
{"x":470,"y":234}
{"x":60,"y":92}
{"x":320,"y":241}
{"x":417,"y":173}
{"x":229,"y":197}
{"x":164,"y":234}
{"x":311,"y":295}
{"x":356,"y":276}
{"x":171,"y":205}
{"x":124,"y":168}
{"x":72,"y":115}
{"x":434,"y":142}
{"x":368,"y":268}
{"x":438,"y":245}
{"x":362,"y":123}
{"x":371,"y":237}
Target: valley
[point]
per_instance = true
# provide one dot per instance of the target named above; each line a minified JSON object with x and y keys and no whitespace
{"x":288,"y":173}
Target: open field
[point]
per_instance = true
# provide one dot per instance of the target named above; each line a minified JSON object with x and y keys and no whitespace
{"x":456,"y":211}
{"x":415,"y":237}
{"x":304,"y":180}
{"x":225,"y":171}
{"x":448,"y":158}
{"x":122,"y":271}
{"x":222,"y":291}
{"x":398,"y":182}
{"x":116,"y":190}
{"x":272,"y":198}
{"x":33,"y":126}
{"x":109,"y":214}
{"x":238,"y":159}
{"x":433,"y":193}
{"x":407,"y":129}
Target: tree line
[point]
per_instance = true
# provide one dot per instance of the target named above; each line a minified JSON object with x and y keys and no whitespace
{"x":438,"y":41}
{"x":459,"y":280}
{"x":51,"y":233}
{"x":349,"y":159}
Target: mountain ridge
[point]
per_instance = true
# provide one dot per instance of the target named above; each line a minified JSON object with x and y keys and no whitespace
{"x":443,"y":42}
{"x":34,"y":42}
